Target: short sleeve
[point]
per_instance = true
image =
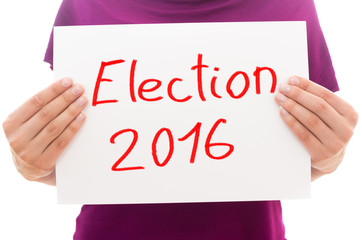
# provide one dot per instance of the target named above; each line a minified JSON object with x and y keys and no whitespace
{"x":321,"y":68}
{"x":66,"y":16}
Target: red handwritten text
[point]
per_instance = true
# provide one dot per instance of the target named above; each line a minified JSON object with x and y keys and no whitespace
{"x":151,"y":85}
{"x":195,"y":130}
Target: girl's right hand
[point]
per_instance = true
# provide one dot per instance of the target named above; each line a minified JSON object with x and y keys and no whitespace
{"x":40,"y":129}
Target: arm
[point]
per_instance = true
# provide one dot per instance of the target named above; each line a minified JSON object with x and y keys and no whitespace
{"x":322,"y":121}
{"x":40,"y":129}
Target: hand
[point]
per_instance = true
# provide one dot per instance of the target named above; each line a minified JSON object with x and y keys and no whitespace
{"x":40,"y":129}
{"x":322,"y":121}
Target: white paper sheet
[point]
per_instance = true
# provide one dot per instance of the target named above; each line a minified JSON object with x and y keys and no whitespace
{"x":267,"y":162}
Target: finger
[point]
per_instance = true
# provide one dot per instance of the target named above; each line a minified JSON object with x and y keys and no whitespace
{"x":309,"y":141}
{"x":316,"y":105}
{"x":49,"y":112}
{"x":310,"y":121}
{"x":341,"y":106}
{"x":49,"y":133}
{"x":38,"y":101}
{"x":63,"y":140}
{"x":45,"y":162}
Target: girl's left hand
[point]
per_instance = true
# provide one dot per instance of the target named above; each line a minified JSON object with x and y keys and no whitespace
{"x":321,"y":120}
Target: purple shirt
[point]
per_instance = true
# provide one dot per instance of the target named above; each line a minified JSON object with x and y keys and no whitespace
{"x":259,"y":220}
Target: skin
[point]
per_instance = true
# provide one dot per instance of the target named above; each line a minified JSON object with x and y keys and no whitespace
{"x":322,"y":121}
{"x":40,"y":129}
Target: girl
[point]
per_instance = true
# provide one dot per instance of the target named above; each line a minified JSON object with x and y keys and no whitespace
{"x":40,"y":129}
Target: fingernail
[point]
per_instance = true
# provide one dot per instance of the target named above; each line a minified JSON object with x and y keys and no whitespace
{"x":294,"y":80}
{"x":66,"y":82}
{"x":81,"y":101}
{"x":76,"y":90}
{"x":280,"y":97}
{"x":284,"y":87}
{"x":80,"y":117}
{"x":284,"y":112}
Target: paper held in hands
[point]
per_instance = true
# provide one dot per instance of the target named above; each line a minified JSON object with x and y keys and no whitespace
{"x":182,"y":113}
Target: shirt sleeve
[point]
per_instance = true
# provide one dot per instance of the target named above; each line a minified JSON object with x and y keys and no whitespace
{"x":66,"y":16}
{"x":321,"y":68}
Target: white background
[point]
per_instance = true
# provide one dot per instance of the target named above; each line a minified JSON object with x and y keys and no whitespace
{"x":29,"y":210}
